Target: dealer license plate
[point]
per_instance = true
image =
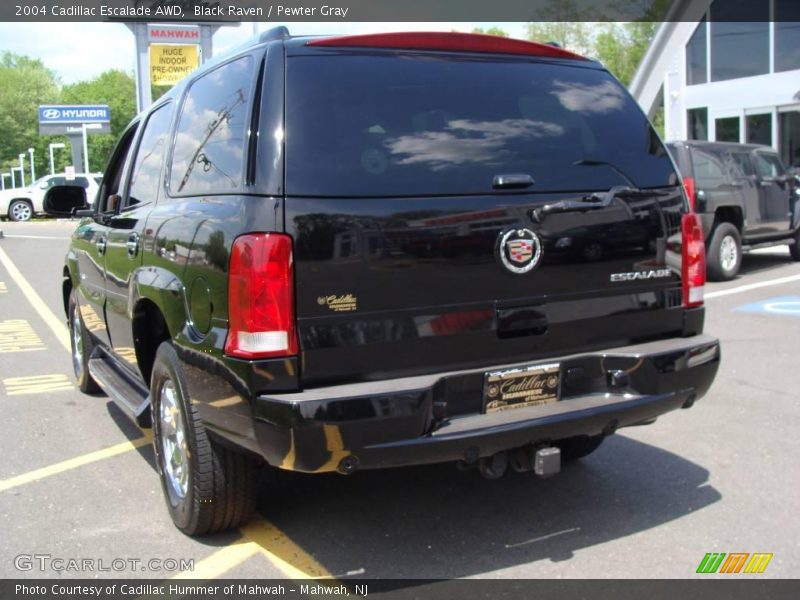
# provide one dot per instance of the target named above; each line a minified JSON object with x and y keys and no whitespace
{"x":526,"y":386}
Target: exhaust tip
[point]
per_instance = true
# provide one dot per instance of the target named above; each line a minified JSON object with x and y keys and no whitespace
{"x":348,"y":465}
{"x":611,"y":427}
{"x":689,"y":401}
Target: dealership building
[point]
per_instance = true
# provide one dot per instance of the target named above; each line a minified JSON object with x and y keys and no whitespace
{"x":727,"y":70}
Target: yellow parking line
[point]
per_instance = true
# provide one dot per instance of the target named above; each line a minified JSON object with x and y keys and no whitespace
{"x":260,"y":537}
{"x":220,"y":562}
{"x":3,"y":287}
{"x":38,"y":384}
{"x":73,"y":463}
{"x":52,"y":321}
{"x":282,"y":552}
{"x":17,"y":335}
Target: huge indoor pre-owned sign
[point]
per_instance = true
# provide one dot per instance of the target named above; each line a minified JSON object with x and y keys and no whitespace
{"x":170,"y":63}
{"x":59,"y":119}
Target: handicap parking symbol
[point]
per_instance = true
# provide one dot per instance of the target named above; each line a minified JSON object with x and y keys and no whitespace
{"x":788,"y":306}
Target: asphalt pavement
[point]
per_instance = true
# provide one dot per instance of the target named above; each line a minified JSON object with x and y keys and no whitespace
{"x":77,"y":479}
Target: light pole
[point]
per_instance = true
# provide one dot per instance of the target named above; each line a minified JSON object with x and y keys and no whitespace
{"x":10,"y":175}
{"x":13,"y":179}
{"x":86,"y":143}
{"x":33,"y":173}
{"x":52,"y":165}
{"x":22,"y":169}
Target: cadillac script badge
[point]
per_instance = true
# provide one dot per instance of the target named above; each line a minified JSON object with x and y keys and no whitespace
{"x":519,"y":250}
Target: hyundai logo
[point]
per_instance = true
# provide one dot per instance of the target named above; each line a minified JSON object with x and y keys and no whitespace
{"x":51,"y":113}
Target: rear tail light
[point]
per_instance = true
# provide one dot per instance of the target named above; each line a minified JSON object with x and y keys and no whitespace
{"x":261,"y":297}
{"x":452,"y":41}
{"x":691,"y":192}
{"x":693,"y":260}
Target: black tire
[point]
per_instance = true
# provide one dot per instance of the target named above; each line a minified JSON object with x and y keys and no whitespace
{"x":216,"y":489}
{"x":724,"y":253}
{"x":20,"y":210}
{"x":81,"y":344}
{"x":575,"y":448}
{"x":794,"y":249}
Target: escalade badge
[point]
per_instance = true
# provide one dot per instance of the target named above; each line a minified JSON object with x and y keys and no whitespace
{"x":519,"y":250}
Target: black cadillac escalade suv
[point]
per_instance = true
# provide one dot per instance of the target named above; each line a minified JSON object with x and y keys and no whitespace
{"x":333,"y":254}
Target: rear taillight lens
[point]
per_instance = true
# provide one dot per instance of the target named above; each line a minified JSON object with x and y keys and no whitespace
{"x":261,"y":297}
{"x":691,"y":192}
{"x":693,"y":260}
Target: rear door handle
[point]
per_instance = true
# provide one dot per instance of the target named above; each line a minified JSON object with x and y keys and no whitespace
{"x":132,"y":245}
{"x":101,"y":245}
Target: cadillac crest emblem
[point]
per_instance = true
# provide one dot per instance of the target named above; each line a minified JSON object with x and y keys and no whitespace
{"x":519,"y":250}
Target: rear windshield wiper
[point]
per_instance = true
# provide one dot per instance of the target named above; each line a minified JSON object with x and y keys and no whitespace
{"x":594,"y":201}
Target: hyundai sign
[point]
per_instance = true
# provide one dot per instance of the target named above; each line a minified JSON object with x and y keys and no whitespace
{"x":65,"y":119}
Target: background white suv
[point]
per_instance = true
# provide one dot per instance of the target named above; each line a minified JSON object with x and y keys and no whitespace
{"x":20,"y":204}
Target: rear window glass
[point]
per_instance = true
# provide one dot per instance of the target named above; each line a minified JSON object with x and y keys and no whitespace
{"x":360,"y":125}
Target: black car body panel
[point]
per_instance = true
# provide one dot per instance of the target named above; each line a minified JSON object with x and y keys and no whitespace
{"x":428,"y":418}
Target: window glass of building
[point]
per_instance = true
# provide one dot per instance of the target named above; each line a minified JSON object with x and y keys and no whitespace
{"x":789,"y":129}
{"x":759,"y":129}
{"x":727,"y":129}
{"x":697,"y":56}
{"x":739,"y":39}
{"x":698,"y":123}
{"x":787,"y":35}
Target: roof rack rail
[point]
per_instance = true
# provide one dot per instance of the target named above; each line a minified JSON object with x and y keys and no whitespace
{"x":276,"y":33}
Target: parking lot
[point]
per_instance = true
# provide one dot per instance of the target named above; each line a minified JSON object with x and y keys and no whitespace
{"x":77,"y":479}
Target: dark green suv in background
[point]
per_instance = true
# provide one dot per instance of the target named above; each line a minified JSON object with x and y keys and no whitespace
{"x":333,"y":254}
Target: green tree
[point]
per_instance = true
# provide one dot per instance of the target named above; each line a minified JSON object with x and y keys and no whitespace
{"x":491,"y":31}
{"x":118,"y":90}
{"x":562,"y":22}
{"x":620,"y":47}
{"x":25,"y":83}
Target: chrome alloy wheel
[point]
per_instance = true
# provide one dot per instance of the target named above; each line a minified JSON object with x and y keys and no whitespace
{"x":174,"y":449}
{"x":728,"y":253}
{"x":21,"y":211}
{"x":76,"y":336}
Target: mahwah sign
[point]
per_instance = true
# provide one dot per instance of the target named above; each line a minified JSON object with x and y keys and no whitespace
{"x":58,"y":119}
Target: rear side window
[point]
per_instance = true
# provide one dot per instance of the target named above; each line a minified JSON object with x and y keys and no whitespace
{"x":708,"y":169}
{"x":360,"y":125}
{"x":211,"y":134}
{"x":146,"y":170}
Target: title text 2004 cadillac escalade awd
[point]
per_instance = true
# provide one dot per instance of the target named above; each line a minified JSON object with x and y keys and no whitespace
{"x":334,"y":254}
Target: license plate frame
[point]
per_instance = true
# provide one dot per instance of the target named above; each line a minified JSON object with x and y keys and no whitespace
{"x":521,"y":387}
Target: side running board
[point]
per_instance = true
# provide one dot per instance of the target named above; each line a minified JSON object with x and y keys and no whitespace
{"x":129,"y":394}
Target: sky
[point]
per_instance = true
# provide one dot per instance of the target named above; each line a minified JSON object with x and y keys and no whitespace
{"x":79,"y":51}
